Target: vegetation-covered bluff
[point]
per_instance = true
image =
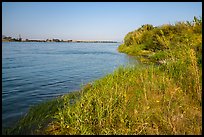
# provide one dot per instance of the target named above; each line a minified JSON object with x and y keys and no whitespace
{"x":163,"y":97}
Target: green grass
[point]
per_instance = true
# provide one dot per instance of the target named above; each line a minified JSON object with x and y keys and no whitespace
{"x":163,"y":99}
{"x":132,"y":100}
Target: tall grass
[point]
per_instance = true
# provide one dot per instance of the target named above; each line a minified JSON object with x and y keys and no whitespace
{"x":136,"y":100}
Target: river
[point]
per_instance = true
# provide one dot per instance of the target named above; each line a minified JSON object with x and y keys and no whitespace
{"x":33,"y":72}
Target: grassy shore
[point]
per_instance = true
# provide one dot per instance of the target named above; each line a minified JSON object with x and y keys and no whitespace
{"x":143,"y":99}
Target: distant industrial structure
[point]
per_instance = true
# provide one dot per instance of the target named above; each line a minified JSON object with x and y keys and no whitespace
{"x":20,"y":39}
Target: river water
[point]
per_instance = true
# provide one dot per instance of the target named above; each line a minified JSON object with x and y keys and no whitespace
{"x":33,"y":72}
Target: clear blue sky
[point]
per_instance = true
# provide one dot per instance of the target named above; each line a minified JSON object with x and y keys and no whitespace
{"x":90,"y":20}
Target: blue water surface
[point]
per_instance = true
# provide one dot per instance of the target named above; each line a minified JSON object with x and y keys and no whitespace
{"x":33,"y":72}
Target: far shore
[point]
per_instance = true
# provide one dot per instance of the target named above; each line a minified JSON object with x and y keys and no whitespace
{"x":57,"y":40}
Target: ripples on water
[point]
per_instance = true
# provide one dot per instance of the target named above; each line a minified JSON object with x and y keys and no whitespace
{"x":34,"y":72}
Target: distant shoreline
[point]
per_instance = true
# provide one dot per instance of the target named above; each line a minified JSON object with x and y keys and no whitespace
{"x":56,"y":40}
{"x":61,"y":42}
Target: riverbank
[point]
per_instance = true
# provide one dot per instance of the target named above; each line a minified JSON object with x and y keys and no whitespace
{"x":163,"y":97}
{"x":134,"y":101}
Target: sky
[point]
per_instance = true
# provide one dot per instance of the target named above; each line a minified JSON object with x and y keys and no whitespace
{"x":90,"y":20}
